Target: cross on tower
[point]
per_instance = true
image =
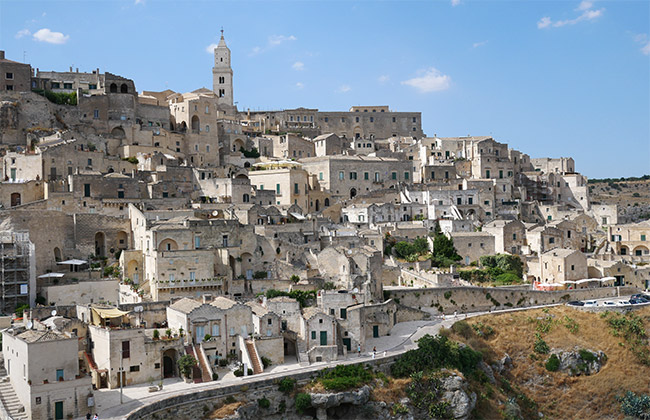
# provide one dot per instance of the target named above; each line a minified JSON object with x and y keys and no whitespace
{"x":222,"y":32}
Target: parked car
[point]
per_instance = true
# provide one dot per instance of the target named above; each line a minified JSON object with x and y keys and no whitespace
{"x":609,"y":303}
{"x":623,"y":302}
{"x":591,"y":303}
{"x":637,"y":301}
{"x":576,"y":303}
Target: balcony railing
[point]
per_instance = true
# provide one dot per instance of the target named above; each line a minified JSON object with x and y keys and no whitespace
{"x":172,"y":284}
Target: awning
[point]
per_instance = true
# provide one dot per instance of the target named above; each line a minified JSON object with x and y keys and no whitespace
{"x":51,"y":275}
{"x":297,"y":216}
{"x":105,"y":313}
{"x":73,"y":262}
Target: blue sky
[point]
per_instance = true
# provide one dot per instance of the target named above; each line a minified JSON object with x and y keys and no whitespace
{"x":550,"y":78}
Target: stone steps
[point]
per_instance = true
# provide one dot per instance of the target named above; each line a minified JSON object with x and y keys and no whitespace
{"x":11,"y":402}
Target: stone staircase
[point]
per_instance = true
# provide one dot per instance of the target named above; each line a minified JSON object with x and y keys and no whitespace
{"x":303,"y":357}
{"x":10,"y":401}
{"x":206,"y":372}
{"x":255,"y":359}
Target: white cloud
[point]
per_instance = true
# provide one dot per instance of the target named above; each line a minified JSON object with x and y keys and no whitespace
{"x":46,"y":35}
{"x":279,"y":39}
{"x":585,"y":5}
{"x":344,"y":89}
{"x":299,"y":85}
{"x":22,"y":33}
{"x":455,"y":2}
{"x":298,"y":66}
{"x":383,"y":78}
{"x":431,"y":80}
{"x":479,"y":44}
{"x":587,"y":14}
{"x":256,"y":50}
{"x":210,"y":48}
{"x":645,"y":43}
{"x":139,"y":2}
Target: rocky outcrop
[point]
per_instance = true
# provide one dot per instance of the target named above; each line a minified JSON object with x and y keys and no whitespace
{"x":502,"y":365}
{"x":456,"y":394}
{"x":357,"y":397}
{"x":580,"y":361}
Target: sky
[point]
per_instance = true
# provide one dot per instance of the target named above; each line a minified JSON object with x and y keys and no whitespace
{"x":550,"y":78}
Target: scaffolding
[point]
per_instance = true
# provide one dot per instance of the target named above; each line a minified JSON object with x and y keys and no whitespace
{"x":17,"y":277}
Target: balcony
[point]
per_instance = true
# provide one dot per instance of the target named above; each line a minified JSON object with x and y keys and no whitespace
{"x":176,"y":284}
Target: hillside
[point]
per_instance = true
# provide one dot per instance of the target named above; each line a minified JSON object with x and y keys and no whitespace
{"x":631,"y":196}
{"x":557,"y":394}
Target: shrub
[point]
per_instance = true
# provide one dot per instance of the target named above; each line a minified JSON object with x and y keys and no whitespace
{"x":447,"y":294}
{"x":540,"y":345}
{"x":294,"y":278}
{"x":185,"y":364}
{"x":587,"y":356}
{"x":483,"y":330}
{"x":287,"y":385}
{"x":303,"y":402}
{"x":266,"y":362}
{"x":168,"y":333}
{"x":223,"y":362}
{"x":463,"y":329}
{"x":264,"y":403}
{"x":229,"y":400}
{"x":20,"y":309}
{"x":399,"y":408}
{"x":207,"y":337}
{"x":240,"y":372}
{"x":215,"y":376}
{"x":434,"y":353}
{"x":553,"y":363}
{"x":156,"y":334}
{"x":330,"y":286}
{"x":344,"y":377}
{"x":635,"y":405}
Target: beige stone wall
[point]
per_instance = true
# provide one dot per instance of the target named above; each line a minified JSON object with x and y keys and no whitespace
{"x":83,"y":292}
{"x":271,"y":347}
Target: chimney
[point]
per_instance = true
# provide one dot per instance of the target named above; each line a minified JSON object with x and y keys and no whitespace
{"x":2,"y":55}
{"x":77,"y":69}
{"x":70,"y":69}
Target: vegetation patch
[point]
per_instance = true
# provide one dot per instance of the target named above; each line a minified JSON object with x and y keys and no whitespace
{"x":631,"y":328}
{"x":553,"y":363}
{"x":344,"y":377}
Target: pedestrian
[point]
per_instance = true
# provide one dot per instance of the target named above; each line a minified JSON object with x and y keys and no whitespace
{"x":455,"y":315}
{"x":96,"y":417}
{"x":88,"y":416}
{"x":443,"y":316}
{"x":374,"y":352}
{"x":359,"y":349}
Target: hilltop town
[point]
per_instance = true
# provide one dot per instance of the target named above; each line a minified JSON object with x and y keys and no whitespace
{"x":154,"y":235}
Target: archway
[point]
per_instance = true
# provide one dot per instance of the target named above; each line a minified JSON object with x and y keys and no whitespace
{"x":353,"y":192}
{"x":100,"y":244}
{"x":15,"y":199}
{"x":124,"y":88}
{"x":237,"y":145}
{"x":247,"y":265}
{"x":118,"y":133}
{"x":327,"y":202}
{"x":196,"y":124}
{"x":247,"y":164}
{"x":122,"y":240}
{"x":132,"y":271}
{"x":640,"y":251}
{"x":167,"y":245}
{"x":317,"y":205}
{"x":169,"y":363}
{"x":57,"y":254}
{"x":113,"y":88}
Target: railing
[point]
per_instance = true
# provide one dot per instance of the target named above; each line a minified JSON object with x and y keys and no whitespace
{"x":165,"y":284}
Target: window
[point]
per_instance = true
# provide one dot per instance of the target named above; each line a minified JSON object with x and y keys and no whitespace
{"x":216,"y":330}
{"x":376,"y":176}
{"x":406,"y":176}
{"x":134,"y":368}
{"x":56,"y":85}
{"x":514,"y":236}
{"x":487,"y":173}
{"x":232,"y":331}
{"x":372,"y":119}
{"x":320,"y":176}
{"x":207,"y":130}
{"x":486,"y":202}
{"x":393,"y":175}
{"x":568,"y":234}
{"x":172,"y":277}
{"x":353,"y":175}
{"x":296,"y":189}
{"x":551,"y":240}
{"x":59,"y":375}
{"x":344,"y":313}
{"x":86,"y":190}
{"x":9,"y":76}
{"x":366,"y":176}
{"x":67,"y":86}
{"x":357,"y":119}
{"x":192,"y":275}
{"x":459,"y":200}
{"x":643,"y":237}
{"x":10,"y":87}
{"x":326,"y":119}
{"x":500,"y":174}
{"x":341,"y":175}
{"x":92,"y":86}
{"x":573,"y":267}
{"x":313,"y":335}
{"x":470,"y":200}
{"x":277,"y":189}
{"x":415,"y":119}
{"x":393,"y":119}
{"x":120,"y":194}
{"x":126,"y":349}
{"x":224,"y":239}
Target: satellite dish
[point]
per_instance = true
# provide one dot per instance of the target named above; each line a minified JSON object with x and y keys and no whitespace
{"x":355,"y":290}
{"x":30,"y":325}
{"x":215,"y":213}
{"x":53,"y":312}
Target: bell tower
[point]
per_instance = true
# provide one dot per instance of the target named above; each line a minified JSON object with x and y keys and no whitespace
{"x":222,"y":73}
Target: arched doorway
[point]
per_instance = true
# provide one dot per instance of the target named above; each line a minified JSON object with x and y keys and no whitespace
{"x":353,"y":192}
{"x":118,"y":133}
{"x":247,"y":265}
{"x":169,"y":363}
{"x":167,"y":245}
{"x":100,"y":244}
{"x":113,"y":88}
{"x":57,"y":254}
{"x":317,"y":206}
{"x":124,"y":88}
{"x":15,"y":199}
{"x":196,"y":124}
{"x":640,"y":251}
{"x":132,"y":271}
{"x":237,"y":145}
{"x":327,"y":202}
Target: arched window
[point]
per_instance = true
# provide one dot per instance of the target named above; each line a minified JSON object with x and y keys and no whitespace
{"x":113,"y":88}
{"x":124,"y":88}
{"x":246,"y":198}
{"x":327,"y":202}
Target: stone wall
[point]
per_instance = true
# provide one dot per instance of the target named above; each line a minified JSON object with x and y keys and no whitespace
{"x":476,"y":299}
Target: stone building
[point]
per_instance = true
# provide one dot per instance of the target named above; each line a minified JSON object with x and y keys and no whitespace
{"x":222,"y":83}
{"x":14,"y":76}
{"x":510,"y":235}
{"x":289,"y":181}
{"x":559,"y":266}
{"x":319,"y":334}
{"x":471,"y":246}
{"x":43,"y":369}
{"x":17,"y":271}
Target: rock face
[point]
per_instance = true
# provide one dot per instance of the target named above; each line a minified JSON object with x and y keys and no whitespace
{"x":357,"y":397}
{"x":503,"y":364}
{"x":580,"y":361}
{"x":455,"y":393}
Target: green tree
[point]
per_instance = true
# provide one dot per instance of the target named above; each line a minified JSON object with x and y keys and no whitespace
{"x":185,"y":364}
{"x":444,"y":253}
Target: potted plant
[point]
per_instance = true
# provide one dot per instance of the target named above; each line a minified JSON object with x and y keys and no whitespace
{"x":168,"y":333}
{"x":156,"y":334}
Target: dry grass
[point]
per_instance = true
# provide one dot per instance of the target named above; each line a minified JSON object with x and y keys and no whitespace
{"x":391,"y":392}
{"x":225,"y":410}
{"x":558,"y":395}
